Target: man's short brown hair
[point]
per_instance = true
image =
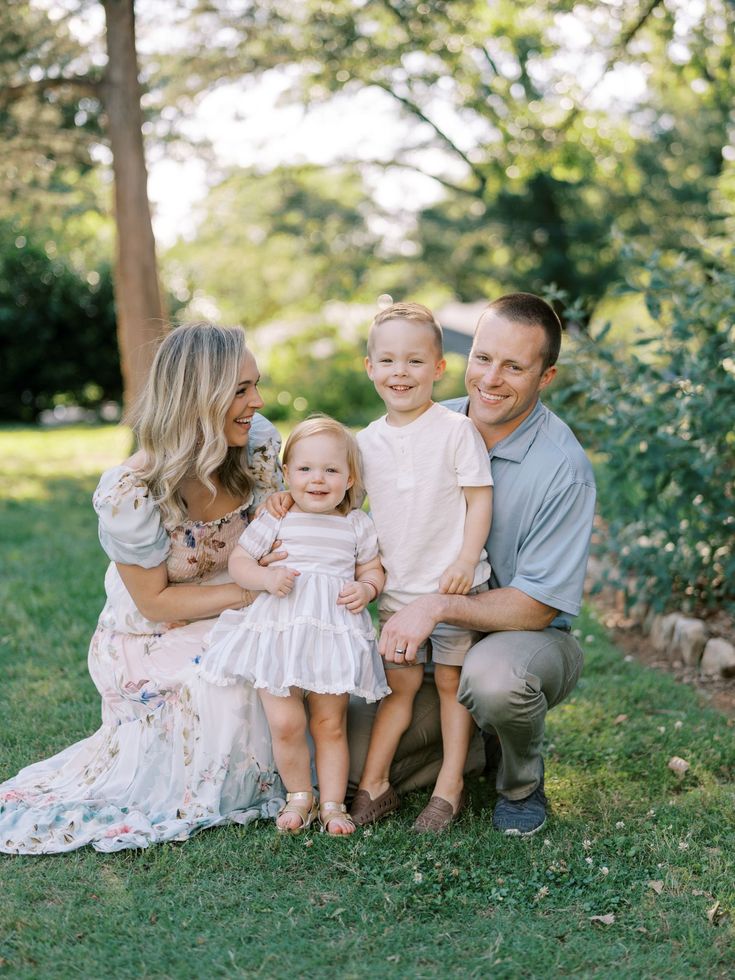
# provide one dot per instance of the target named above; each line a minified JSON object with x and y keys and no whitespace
{"x":533,"y":312}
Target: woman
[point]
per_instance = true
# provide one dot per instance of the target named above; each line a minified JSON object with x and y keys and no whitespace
{"x":174,"y":754}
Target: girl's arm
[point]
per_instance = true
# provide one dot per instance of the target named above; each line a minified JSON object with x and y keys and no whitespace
{"x":161,"y":602}
{"x":457,"y":578}
{"x":248,"y":574}
{"x":368,"y":584}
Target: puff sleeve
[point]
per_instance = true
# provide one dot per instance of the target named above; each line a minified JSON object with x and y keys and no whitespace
{"x":366,"y":537}
{"x":130,"y":526}
{"x":258,"y":537}
{"x":264,"y":446}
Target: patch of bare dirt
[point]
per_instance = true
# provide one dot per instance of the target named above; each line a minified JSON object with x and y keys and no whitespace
{"x":718,"y":692}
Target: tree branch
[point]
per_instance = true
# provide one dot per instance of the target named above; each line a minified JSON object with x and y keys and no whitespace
{"x":415,"y":110}
{"x":625,"y":38}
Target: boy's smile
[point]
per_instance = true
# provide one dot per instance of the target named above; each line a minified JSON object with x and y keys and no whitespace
{"x":403,"y":364}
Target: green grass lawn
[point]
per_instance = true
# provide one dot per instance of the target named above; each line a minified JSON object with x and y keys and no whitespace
{"x":627,"y":838}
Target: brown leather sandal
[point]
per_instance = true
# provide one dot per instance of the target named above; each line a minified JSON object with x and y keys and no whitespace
{"x":365,"y":810}
{"x":438,"y":814}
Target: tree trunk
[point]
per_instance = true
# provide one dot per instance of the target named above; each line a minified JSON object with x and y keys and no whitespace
{"x":140,"y":314}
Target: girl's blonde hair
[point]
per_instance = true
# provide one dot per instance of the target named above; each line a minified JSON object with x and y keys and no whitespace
{"x":318,"y":425}
{"x":180,"y":417}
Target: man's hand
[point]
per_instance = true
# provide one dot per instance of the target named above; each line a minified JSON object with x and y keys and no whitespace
{"x":458,"y":578}
{"x":281,"y":580}
{"x":407,"y":629}
{"x":356,"y":596}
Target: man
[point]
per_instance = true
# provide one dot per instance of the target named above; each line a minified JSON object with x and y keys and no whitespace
{"x":538,"y":547}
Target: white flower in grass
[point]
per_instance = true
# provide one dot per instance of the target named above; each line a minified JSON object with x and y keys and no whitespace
{"x":619,"y":825}
{"x":418,"y":877}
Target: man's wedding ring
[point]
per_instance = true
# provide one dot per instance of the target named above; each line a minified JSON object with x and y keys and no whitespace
{"x":400,"y":651}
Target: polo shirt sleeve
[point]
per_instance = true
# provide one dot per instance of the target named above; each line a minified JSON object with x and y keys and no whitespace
{"x":552,"y":560}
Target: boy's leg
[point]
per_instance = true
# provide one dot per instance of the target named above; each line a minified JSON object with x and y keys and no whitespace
{"x":287,"y":722}
{"x":391,"y":721}
{"x":458,"y":728}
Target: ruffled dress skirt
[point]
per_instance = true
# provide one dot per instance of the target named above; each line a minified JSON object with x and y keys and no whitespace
{"x":302,"y":640}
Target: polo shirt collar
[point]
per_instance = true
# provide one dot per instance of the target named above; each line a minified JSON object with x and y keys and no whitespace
{"x":515,"y":446}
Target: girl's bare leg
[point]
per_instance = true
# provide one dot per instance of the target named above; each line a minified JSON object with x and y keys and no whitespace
{"x":287,"y":722}
{"x":328,"y":725}
{"x":391,"y":721}
{"x":457,"y":730}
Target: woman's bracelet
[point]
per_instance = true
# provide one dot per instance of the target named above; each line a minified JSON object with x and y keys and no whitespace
{"x":374,"y":587}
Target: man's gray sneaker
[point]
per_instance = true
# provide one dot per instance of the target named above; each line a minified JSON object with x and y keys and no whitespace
{"x":521,"y":818}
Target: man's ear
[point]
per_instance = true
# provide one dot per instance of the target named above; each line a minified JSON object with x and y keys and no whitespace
{"x":547,"y":377}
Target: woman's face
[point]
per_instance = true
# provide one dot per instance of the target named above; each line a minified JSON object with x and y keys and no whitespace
{"x":246,"y":402}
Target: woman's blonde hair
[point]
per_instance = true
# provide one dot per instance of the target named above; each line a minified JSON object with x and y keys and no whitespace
{"x":180,"y":417}
{"x":319,"y":425}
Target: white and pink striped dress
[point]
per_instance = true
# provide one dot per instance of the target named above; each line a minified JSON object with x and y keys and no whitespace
{"x":305,"y":639}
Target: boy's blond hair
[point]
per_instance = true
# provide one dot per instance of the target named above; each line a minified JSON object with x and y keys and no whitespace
{"x":415,"y":313}
{"x":320,"y":425}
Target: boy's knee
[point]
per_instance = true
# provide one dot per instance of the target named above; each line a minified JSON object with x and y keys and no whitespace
{"x":446,"y":679}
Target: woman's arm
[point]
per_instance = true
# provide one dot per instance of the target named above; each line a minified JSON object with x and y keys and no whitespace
{"x":458,"y":577}
{"x":161,"y":602}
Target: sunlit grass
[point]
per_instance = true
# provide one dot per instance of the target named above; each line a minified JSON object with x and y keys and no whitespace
{"x":248,"y":902}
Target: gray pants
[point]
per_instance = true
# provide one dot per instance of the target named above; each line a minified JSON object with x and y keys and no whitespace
{"x":509,"y":681}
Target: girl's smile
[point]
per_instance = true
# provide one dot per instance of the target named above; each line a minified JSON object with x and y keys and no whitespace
{"x":318,"y":474}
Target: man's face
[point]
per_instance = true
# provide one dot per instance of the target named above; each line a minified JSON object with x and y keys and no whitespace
{"x":504,"y":375}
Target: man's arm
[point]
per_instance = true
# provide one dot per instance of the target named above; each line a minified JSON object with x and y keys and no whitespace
{"x":488,"y":612}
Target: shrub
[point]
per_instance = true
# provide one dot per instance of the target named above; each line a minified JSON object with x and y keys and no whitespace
{"x":661,"y":416}
{"x":57,"y":331}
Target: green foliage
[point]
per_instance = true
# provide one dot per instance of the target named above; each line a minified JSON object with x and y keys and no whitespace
{"x":270,"y":243}
{"x":661,"y":416}
{"x":242,"y":902}
{"x":543,"y":174}
{"x":320,"y":369}
{"x":57,"y":330}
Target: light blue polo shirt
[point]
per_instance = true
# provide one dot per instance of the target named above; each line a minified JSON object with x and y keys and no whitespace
{"x":543,"y":506}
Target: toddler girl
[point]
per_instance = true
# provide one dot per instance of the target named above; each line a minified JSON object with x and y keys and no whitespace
{"x":308,"y":637}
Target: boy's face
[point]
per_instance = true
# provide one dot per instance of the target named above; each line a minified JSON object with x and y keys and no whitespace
{"x":403,"y":363}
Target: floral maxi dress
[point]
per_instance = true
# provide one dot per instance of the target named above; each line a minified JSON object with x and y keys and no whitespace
{"x":174,"y":754}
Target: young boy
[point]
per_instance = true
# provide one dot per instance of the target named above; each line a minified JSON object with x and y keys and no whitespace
{"x":429,"y":487}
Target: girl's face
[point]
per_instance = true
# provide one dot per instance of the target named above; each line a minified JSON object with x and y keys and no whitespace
{"x":318,"y":474}
{"x":246,"y":402}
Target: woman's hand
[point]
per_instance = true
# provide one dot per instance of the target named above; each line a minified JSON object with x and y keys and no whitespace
{"x":278,"y":504}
